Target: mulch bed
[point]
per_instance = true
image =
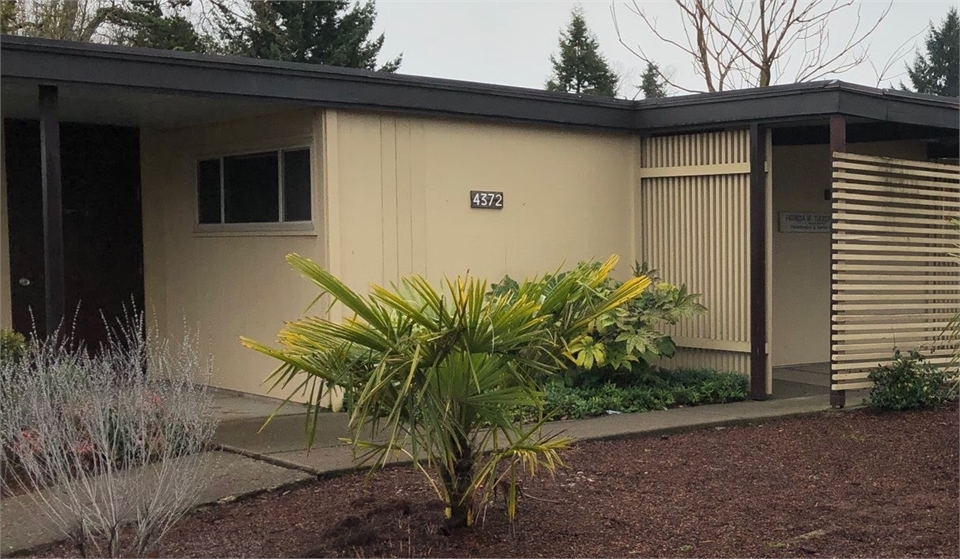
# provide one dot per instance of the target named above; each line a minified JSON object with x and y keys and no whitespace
{"x":847,"y":484}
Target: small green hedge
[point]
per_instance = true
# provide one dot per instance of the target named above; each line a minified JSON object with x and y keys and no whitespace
{"x":910,"y":382}
{"x":655,"y":390}
{"x":12,"y":345}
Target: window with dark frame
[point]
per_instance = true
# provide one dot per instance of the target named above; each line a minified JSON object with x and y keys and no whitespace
{"x":265,"y":187}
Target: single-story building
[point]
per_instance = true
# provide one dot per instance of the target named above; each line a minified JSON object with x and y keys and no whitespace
{"x":812,"y":217}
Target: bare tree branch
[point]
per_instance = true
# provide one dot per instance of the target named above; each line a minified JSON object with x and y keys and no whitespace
{"x":901,"y":52}
{"x":755,"y":42}
{"x":639,"y":52}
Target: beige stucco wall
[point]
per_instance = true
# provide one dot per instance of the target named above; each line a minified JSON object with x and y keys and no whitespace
{"x":402,"y":185}
{"x":391,"y":198}
{"x":6,"y":320}
{"x":801,"y":261}
{"x":230,"y":284}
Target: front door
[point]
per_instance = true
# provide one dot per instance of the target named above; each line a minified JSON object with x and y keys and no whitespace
{"x":102,"y":227}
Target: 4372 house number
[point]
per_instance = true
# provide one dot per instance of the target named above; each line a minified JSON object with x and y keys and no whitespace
{"x":486,"y":200}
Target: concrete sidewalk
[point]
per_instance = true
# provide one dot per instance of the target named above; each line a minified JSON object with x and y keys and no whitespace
{"x":250,"y":461}
{"x":282,"y":441}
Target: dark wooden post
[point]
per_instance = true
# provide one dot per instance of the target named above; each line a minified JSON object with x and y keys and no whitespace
{"x":838,"y":133}
{"x":758,"y":262}
{"x":52,"y":206}
{"x":838,"y":142}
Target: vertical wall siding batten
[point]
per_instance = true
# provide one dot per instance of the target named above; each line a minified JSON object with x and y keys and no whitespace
{"x":693,"y":229}
{"x":418,"y":205}
{"x":725,"y":256}
{"x":715,"y":233}
{"x":404,"y":200}
{"x":874,"y":263}
{"x":699,"y":248}
{"x":732,"y":196}
{"x":389,"y":197}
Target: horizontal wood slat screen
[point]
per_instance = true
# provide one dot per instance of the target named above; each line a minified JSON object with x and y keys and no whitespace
{"x":693,"y":221}
{"x":894,"y":280}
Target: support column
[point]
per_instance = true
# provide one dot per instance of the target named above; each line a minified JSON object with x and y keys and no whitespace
{"x":758,"y":262}
{"x":52,"y":207}
{"x":838,"y":142}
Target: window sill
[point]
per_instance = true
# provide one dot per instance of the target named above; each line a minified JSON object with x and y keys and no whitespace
{"x":256,"y":230}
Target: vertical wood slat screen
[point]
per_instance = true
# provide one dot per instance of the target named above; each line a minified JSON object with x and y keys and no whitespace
{"x":693,"y":220}
{"x":894,"y":280}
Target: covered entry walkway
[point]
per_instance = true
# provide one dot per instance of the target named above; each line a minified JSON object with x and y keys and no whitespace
{"x":756,"y":218}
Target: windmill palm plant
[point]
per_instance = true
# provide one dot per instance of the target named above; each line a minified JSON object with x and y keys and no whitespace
{"x":436,"y":374}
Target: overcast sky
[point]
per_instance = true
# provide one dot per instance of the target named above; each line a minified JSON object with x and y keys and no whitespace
{"x":509,"y":42}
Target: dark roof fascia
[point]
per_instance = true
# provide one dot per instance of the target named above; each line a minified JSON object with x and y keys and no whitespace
{"x":735,"y":108}
{"x":158,"y":71}
{"x":170,"y":72}
{"x":794,"y":103}
{"x":900,"y":107}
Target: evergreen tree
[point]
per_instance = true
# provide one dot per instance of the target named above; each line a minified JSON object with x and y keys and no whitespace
{"x":145,"y":23}
{"x":9,"y":17}
{"x":938,"y":73}
{"x":581,"y":68}
{"x":69,"y":20}
{"x":331,"y":32}
{"x":140,"y":23}
{"x":651,"y":83}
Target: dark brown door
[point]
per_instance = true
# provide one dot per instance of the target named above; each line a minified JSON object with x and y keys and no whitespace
{"x":102,"y":226}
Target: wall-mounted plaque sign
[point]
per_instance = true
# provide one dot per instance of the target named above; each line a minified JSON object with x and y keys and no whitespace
{"x":804,"y":222}
{"x":486,"y":200}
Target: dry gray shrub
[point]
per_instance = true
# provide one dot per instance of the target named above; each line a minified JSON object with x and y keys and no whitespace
{"x":109,"y":444}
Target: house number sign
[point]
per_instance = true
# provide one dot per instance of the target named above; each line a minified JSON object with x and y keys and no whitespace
{"x":486,"y":200}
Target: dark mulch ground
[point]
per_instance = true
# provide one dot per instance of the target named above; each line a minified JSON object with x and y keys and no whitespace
{"x":848,"y":484}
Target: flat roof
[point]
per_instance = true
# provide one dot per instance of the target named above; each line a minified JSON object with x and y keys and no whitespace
{"x":28,"y":60}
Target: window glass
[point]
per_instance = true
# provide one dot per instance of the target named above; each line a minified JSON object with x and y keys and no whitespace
{"x":247,"y":188}
{"x":251,"y":189}
{"x":208,"y":191}
{"x":296,"y":185}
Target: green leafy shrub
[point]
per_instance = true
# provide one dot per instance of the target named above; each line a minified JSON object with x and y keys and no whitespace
{"x":12,"y":345}
{"x":909,"y":382}
{"x":623,"y":341}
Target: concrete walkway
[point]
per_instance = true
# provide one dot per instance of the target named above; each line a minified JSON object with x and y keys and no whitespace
{"x":250,"y":461}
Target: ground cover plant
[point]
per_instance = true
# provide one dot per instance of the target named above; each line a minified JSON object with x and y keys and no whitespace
{"x":833,"y":484}
{"x":657,"y":389}
{"x":437,"y":374}
{"x":107,"y":443}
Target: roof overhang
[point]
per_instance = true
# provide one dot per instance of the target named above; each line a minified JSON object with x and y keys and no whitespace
{"x":146,"y":72}
{"x":169,"y":72}
{"x":796,"y":103}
